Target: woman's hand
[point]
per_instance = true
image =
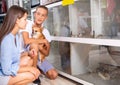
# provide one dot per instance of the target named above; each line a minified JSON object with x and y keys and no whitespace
{"x":34,"y":71}
{"x":32,"y":53}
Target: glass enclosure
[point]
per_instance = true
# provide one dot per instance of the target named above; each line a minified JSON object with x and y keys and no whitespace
{"x":86,"y":19}
{"x":58,"y":20}
{"x":60,"y":56}
{"x":97,"y":64}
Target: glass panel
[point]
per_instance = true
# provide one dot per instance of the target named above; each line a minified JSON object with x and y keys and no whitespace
{"x":60,"y":56}
{"x":80,"y":19}
{"x":58,"y":21}
{"x":86,"y":18}
{"x":27,"y":5}
{"x":96,"y":64}
{"x":69,"y":21}
{"x":110,"y":11}
{"x":103,"y":65}
{"x":35,"y":3}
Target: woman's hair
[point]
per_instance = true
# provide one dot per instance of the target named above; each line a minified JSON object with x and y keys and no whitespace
{"x":15,"y":12}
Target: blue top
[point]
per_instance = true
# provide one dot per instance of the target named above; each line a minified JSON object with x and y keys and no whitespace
{"x":9,"y":55}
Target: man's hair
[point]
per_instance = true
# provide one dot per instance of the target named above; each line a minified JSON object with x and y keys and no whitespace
{"x":42,"y":6}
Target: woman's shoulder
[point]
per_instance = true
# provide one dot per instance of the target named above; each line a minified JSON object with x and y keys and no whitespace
{"x":8,"y":38}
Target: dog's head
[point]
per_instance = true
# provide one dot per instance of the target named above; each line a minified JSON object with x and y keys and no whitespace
{"x":37,"y":32}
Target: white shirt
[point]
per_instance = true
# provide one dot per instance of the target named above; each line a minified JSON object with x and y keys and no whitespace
{"x":29,"y":30}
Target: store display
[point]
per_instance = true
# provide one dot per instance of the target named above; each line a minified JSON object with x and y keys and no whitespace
{"x":3,"y":6}
{"x":35,"y":3}
{"x":45,"y":2}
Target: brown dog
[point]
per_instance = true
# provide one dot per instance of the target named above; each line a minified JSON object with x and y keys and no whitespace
{"x":37,"y":34}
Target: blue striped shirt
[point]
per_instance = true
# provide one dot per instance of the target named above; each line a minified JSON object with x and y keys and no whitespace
{"x":9,"y":55}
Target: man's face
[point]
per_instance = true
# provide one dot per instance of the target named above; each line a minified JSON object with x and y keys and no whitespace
{"x":40,"y":16}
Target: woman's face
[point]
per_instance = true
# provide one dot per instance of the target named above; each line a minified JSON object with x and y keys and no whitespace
{"x":22,"y":21}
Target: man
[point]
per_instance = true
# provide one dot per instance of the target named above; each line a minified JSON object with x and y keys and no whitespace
{"x":40,"y":16}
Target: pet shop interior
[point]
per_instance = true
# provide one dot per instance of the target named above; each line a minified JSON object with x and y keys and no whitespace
{"x":85,"y":46}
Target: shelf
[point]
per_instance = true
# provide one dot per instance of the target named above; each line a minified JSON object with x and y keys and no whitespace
{"x":56,"y":4}
{"x":97,"y":80}
{"x":52,"y":5}
{"x":2,"y":14}
{"x":75,"y":78}
{"x":109,"y":42}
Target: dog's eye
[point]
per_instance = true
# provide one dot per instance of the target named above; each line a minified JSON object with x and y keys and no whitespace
{"x":35,"y":31}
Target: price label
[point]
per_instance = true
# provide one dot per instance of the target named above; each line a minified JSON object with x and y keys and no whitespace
{"x":67,"y":2}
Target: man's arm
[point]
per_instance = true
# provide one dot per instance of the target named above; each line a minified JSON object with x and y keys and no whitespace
{"x":44,"y":49}
{"x":40,"y":42}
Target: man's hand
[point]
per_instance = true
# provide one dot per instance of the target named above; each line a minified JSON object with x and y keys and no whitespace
{"x":44,"y":48}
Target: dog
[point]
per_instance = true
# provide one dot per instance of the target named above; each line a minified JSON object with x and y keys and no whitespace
{"x":37,"y":34}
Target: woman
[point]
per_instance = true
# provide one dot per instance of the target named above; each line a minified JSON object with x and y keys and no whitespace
{"x":13,"y":69}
